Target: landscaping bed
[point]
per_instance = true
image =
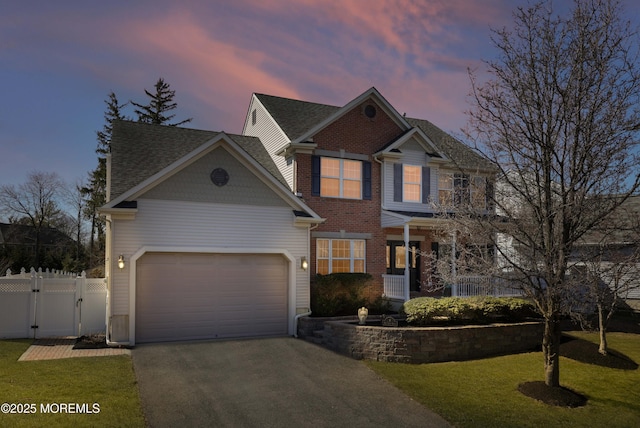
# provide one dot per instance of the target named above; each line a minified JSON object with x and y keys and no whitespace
{"x":408,"y":344}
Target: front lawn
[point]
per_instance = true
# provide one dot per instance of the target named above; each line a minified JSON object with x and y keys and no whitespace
{"x":485,"y":392}
{"x":61,"y":387}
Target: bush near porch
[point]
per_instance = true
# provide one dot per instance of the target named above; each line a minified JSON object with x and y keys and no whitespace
{"x":341,"y":294}
{"x":426,"y":311}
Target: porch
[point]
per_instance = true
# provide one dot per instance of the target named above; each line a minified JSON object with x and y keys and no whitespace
{"x":465,"y":286}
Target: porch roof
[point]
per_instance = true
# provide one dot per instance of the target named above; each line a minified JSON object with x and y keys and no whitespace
{"x":393,"y":218}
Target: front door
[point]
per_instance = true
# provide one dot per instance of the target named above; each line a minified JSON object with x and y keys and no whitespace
{"x":396,"y":261}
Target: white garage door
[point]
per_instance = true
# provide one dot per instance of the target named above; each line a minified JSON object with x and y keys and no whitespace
{"x":184,"y":296}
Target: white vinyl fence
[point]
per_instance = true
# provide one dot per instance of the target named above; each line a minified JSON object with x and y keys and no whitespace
{"x":469,"y":286}
{"x":48,"y":304}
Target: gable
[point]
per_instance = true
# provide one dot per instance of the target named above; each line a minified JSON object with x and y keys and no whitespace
{"x":194,"y":184}
{"x":412,"y":146}
{"x":356,"y":132}
{"x":139,"y":150}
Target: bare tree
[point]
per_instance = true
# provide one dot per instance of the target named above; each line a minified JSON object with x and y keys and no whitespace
{"x":559,"y":118}
{"x":609,"y":268}
{"x":73,"y":196}
{"x":36,"y":200}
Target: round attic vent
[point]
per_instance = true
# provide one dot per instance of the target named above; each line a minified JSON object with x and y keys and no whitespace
{"x":219,"y":177}
{"x":370,"y":111}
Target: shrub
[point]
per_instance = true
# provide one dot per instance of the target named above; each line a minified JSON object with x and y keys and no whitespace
{"x":338,"y":294}
{"x":461,"y":310}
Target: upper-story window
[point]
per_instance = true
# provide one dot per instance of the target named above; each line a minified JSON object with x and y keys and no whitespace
{"x":412,"y":183}
{"x":456,"y":190}
{"x":341,"y":178}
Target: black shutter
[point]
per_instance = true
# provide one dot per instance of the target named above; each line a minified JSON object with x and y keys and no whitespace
{"x":397,"y":182}
{"x":435,"y":248}
{"x":490,"y":195}
{"x":315,"y":175}
{"x":366,"y":180}
{"x":426,"y":184}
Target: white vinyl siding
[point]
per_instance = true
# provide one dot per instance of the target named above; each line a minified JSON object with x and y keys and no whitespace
{"x":173,"y":224}
{"x":194,"y":184}
{"x":271,"y":136}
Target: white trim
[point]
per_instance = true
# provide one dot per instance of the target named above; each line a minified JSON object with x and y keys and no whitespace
{"x":421,"y":138}
{"x":291,"y":304}
{"x":224,"y":140}
{"x":352,"y":259}
{"x":370,"y":93}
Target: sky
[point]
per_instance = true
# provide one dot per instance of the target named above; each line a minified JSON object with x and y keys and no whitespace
{"x":59,"y":60}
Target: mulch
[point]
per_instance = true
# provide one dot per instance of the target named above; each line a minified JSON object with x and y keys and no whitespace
{"x":98,"y":341}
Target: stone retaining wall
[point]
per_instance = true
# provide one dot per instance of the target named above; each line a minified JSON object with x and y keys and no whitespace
{"x":422,"y":344}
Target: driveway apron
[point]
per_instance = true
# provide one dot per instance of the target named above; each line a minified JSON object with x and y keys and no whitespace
{"x":274,"y":382}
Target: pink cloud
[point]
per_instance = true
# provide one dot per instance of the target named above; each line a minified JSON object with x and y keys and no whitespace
{"x":325,"y":51}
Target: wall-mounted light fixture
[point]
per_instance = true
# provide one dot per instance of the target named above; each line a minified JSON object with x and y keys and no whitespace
{"x":121,"y":261}
{"x":303,"y":263}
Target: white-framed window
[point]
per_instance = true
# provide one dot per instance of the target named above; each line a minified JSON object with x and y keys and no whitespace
{"x":340,"y":255}
{"x":479,"y":192}
{"x":340,"y":178}
{"x":457,"y":189}
{"x":412,"y":183}
{"x":445,"y":189}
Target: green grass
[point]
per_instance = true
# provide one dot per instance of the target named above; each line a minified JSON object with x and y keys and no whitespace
{"x":483,"y":393}
{"x":108,"y":381}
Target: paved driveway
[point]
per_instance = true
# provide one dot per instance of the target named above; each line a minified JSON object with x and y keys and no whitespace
{"x":275,"y":382}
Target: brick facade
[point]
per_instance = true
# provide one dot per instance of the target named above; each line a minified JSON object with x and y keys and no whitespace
{"x":355,"y":133}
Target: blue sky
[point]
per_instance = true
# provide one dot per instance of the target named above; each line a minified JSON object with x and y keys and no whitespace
{"x":59,"y":61}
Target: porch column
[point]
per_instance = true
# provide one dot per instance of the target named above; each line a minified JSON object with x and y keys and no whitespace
{"x":454,"y":261}
{"x":406,"y":263}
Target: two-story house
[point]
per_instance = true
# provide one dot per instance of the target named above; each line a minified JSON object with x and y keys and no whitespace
{"x":379,"y":179}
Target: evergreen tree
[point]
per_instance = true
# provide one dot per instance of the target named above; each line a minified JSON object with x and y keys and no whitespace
{"x":160,"y":103}
{"x":113,"y":112}
{"x":95,"y":193}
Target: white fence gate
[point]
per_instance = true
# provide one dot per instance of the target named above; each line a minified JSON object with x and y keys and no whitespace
{"x":45,"y":304}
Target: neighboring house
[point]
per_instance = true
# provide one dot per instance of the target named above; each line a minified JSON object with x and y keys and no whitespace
{"x":612,"y":251}
{"x":378,"y":178}
{"x":204,"y":238}
{"x":18,"y":246}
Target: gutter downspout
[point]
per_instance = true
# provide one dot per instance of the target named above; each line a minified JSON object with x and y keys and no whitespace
{"x":109,"y":276}
{"x":295,"y":322}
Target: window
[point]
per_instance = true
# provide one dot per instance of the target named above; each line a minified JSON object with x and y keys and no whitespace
{"x":445,"y":190}
{"x":254,"y":117}
{"x":479,"y":193}
{"x":412,"y":183}
{"x":340,"y":178}
{"x":340,"y":255}
{"x":456,"y":190}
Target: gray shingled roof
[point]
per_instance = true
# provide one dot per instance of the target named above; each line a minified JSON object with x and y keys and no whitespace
{"x":140,"y":150}
{"x":297,"y":117}
{"x":462,"y":155}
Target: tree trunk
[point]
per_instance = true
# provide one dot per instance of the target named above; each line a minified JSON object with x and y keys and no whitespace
{"x":602,"y":327}
{"x":551,"y":351}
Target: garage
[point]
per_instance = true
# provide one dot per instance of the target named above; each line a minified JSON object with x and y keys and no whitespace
{"x":187,"y":296}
